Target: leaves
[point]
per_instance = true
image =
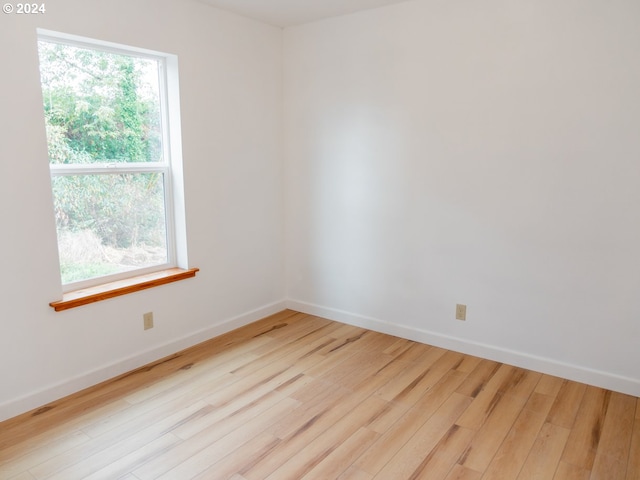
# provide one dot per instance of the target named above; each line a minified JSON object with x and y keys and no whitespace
{"x":107,"y":104}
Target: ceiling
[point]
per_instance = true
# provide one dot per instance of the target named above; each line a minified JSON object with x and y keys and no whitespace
{"x":287,"y":13}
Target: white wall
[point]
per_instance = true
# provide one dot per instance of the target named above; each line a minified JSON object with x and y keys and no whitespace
{"x":485,"y":153}
{"x":231,"y":94}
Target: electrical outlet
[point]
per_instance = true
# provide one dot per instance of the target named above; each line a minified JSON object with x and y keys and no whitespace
{"x":148,"y":320}
{"x":461,"y":312}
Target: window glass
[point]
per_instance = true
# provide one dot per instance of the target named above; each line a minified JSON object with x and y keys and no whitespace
{"x":109,"y":224}
{"x":100,"y":106}
{"x":105,"y":112}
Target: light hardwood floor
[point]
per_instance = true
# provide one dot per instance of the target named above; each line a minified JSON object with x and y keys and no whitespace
{"x":295,"y":396}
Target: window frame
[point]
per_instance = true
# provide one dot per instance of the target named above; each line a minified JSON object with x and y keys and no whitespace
{"x":170,"y":167}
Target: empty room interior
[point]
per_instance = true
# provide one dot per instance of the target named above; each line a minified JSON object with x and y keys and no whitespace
{"x":416,"y":231}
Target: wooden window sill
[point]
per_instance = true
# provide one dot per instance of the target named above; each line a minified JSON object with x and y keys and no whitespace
{"x":98,"y":293}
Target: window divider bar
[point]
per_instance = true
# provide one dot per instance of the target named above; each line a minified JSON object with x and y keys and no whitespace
{"x":112,"y":168}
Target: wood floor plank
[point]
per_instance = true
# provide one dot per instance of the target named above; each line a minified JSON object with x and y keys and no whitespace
{"x":114,"y":445}
{"x":195,"y":371}
{"x":376,"y":342}
{"x":480,"y":409}
{"x":224,"y":420}
{"x":296,"y":396}
{"x":418,"y":387}
{"x":353,"y":473}
{"x":566,"y":471}
{"x":540,"y":403}
{"x":208,"y":454}
{"x":311,"y":455}
{"x":549,"y":385}
{"x":55,"y":435}
{"x":469,"y":363}
{"x":140,"y":415}
{"x":410,"y":378}
{"x":240,"y":395}
{"x":478,"y":378}
{"x":513,"y":451}
{"x":545,"y":454}
{"x":306,"y":433}
{"x":257,"y":447}
{"x":633,"y":469}
{"x":336,"y":462}
{"x":314,"y":401}
{"x":388,"y":417}
{"x":305,"y":333}
{"x":516,"y":381}
{"x":458,"y":472}
{"x":407,"y":351}
{"x":12,"y":466}
{"x":568,"y":400}
{"x":329,"y":357}
{"x":197,"y":366}
{"x":126,"y":463}
{"x":408,"y":460}
{"x":491,"y":434}
{"x":374,"y":459}
{"x":22,"y":476}
{"x":612,"y":455}
{"x":357,"y":368}
{"x":218,"y":438}
{"x":441,"y":459}
{"x":303,"y":352}
{"x":584,"y":438}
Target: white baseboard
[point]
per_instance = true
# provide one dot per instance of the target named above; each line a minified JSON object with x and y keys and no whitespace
{"x":610,"y":381}
{"x":52,"y":393}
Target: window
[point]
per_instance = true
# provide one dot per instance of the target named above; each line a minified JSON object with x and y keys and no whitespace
{"x":112,"y":124}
